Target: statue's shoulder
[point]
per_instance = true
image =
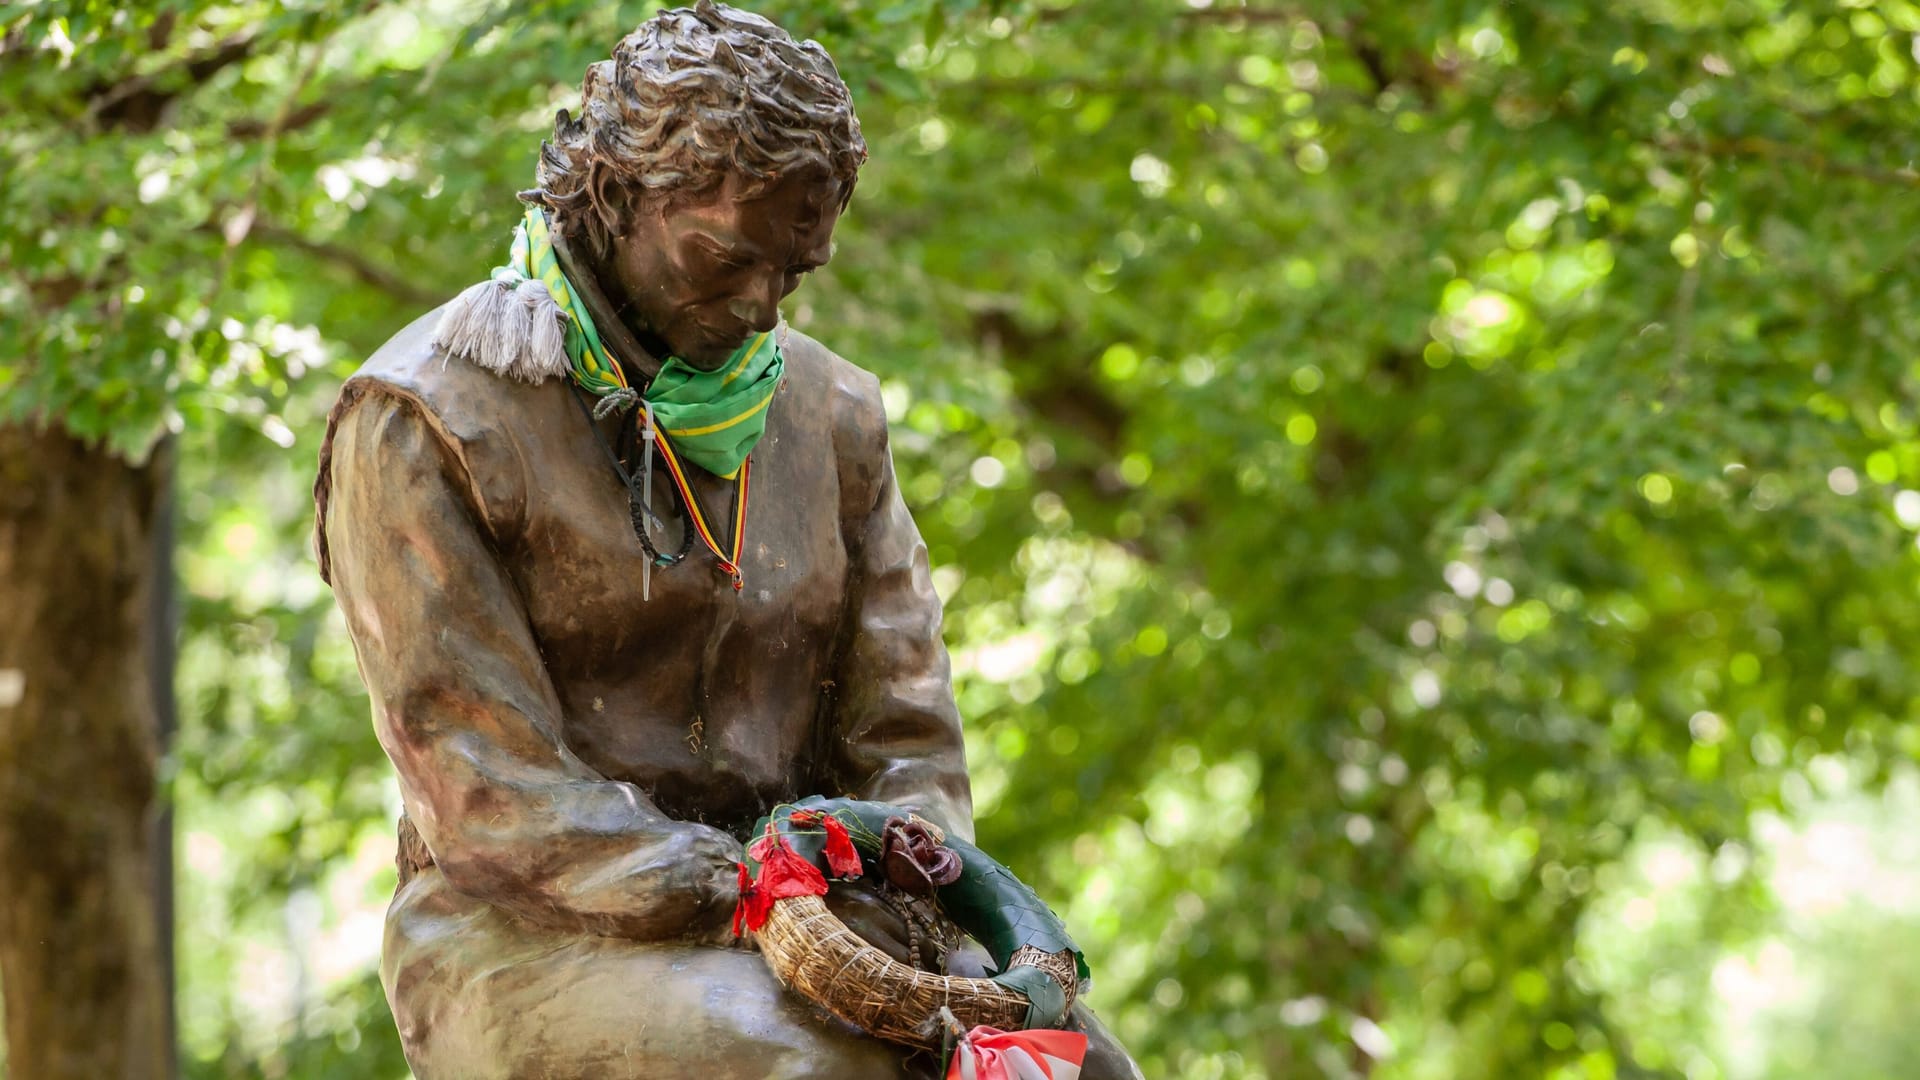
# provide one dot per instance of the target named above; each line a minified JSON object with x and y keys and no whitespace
{"x":463,"y":399}
{"x":401,"y":359}
{"x":481,"y":418}
{"x":827,"y":385}
{"x":849,"y":393}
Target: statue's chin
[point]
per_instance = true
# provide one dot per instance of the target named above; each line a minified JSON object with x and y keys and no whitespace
{"x":706,"y":352}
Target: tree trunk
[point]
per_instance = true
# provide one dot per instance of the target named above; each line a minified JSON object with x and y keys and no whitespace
{"x":82,"y":970}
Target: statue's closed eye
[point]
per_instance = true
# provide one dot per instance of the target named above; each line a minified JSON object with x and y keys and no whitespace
{"x":723,"y":256}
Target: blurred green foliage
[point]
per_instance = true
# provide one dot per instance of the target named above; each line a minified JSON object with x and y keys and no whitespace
{"x":1384,"y":463}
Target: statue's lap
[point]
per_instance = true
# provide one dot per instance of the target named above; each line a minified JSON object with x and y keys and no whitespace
{"x":479,"y":994}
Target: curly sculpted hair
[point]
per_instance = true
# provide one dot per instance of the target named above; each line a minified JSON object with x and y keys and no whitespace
{"x":692,"y":96}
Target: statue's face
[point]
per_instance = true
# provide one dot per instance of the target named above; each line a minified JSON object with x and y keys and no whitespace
{"x":705,"y":274}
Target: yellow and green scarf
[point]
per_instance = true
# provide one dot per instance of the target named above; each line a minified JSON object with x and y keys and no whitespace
{"x":713,"y":418}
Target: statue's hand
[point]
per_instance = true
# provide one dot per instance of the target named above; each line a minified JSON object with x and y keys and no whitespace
{"x":861,"y":908}
{"x":873,"y":919}
{"x":706,"y":865}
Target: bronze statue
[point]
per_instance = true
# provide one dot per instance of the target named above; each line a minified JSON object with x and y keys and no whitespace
{"x":590,"y":677}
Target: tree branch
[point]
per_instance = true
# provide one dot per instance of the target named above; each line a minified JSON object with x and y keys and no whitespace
{"x":1232,"y":16}
{"x":367,"y":270}
{"x":304,"y":116}
{"x":1752,"y":146}
{"x":138,"y":102}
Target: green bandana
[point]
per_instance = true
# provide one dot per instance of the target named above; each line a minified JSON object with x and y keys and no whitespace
{"x":713,"y":417}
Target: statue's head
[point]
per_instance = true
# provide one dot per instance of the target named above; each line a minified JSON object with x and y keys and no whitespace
{"x":710,"y":162}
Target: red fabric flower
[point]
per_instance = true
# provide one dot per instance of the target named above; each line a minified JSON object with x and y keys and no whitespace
{"x":842,"y":859}
{"x":783,"y":873}
{"x":754,"y":904}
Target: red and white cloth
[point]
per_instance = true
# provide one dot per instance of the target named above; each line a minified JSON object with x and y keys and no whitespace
{"x":991,"y":1054}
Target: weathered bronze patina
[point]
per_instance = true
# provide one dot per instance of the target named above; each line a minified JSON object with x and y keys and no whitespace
{"x":579,"y":765}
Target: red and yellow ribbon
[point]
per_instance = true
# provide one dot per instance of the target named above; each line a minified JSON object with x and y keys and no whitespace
{"x":729,"y":559}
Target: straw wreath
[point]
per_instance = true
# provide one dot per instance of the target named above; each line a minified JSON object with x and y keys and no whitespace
{"x":818,"y":956}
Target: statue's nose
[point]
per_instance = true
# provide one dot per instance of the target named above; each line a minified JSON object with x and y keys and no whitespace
{"x":759,"y":309}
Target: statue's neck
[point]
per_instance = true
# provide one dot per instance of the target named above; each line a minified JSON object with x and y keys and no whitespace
{"x":636,"y":350}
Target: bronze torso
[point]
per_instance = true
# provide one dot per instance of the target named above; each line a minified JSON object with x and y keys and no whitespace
{"x":703,"y":697}
{"x":713,"y":703}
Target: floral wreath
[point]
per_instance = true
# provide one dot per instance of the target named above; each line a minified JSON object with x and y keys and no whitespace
{"x":798,"y":847}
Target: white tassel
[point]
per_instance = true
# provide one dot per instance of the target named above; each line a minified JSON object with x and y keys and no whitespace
{"x":509,"y":339}
{"x":547,"y":343}
{"x":543,"y":351}
{"x":508,"y":329}
{"x":458,"y":324}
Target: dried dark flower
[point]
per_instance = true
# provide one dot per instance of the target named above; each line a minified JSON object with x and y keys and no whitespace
{"x":914,"y":860}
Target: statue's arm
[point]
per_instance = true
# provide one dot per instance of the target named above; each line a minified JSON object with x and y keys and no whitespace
{"x":897,"y":730}
{"x":465,"y":709}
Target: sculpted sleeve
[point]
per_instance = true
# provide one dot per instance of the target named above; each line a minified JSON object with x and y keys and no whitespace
{"x":899,"y":731}
{"x":464,"y":707}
